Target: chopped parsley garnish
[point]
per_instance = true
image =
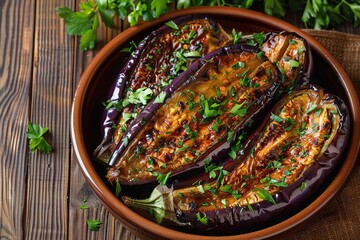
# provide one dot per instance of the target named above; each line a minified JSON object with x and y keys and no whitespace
{"x":192,"y":134}
{"x":260,"y":54}
{"x":303,"y":186}
{"x":259,"y":38}
{"x":245,"y":81}
{"x":125,"y":140}
{"x":216,"y":125}
{"x":212,"y":169}
{"x":238,"y":110}
{"x":230,"y":136}
{"x":210,"y":108}
{"x":292,"y":42}
{"x":172,"y":25}
{"x":140,"y":96}
{"x":318,"y":111}
{"x":131,"y":48}
{"x":202,"y":219}
{"x":160,"y":97}
{"x":201,"y":188}
{"x":192,"y":54}
{"x":289,"y":122}
{"x":162,"y":178}
{"x":231,"y":91}
{"x":238,"y":65}
{"x":117,"y":188}
{"x":311,"y":108}
{"x":236,"y":36}
{"x":265,"y":195}
{"x":294,"y":63}
{"x":248,"y":205}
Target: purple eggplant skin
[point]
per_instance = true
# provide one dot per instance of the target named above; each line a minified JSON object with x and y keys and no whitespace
{"x":117,"y":91}
{"x":185,"y":78}
{"x":118,"y":88}
{"x":289,"y":201}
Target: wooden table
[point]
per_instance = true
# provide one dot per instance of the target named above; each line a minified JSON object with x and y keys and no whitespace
{"x":40,"y":67}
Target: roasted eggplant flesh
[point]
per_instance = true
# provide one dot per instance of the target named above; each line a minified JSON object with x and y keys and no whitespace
{"x":180,"y":119}
{"x":168,"y":55}
{"x":219,"y":98}
{"x":159,"y":58}
{"x":289,"y":159}
{"x":297,"y":135}
{"x":292,"y":56}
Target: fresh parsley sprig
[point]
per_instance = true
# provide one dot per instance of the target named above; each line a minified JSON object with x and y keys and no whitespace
{"x":35,"y":134}
{"x":318,"y":14}
{"x":93,"y":224}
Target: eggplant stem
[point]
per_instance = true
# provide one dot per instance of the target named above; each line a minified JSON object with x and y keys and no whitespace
{"x":160,"y":204}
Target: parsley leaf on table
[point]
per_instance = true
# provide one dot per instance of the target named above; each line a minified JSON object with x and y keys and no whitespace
{"x":35,"y":134}
{"x":94,"y":225}
{"x":83,"y":23}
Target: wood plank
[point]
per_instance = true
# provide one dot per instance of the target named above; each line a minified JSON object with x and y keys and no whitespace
{"x":48,"y":174}
{"x":16,"y":42}
{"x":79,"y":188}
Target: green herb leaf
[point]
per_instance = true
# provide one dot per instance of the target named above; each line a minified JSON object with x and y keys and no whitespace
{"x":311,"y":108}
{"x":238,"y":65}
{"x":94,"y":225}
{"x":274,"y":8}
{"x":160,"y":98}
{"x":172,"y":25}
{"x":35,"y":134}
{"x":201,"y":188}
{"x":230,"y":136}
{"x":117,"y":188}
{"x":140,"y":96}
{"x":192,"y":54}
{"x":303,"y":186}
{"x":125,"y":140}
{"x":239,"y":110}
{"x":236,"y":36}
{"x":162,"y":178}
{"x":216,"y":125}
{"x":83,"y":206}
{"x":202,"y":219}
{"x":265,"y":195}
{"x":259,"y":38}
{"x":294,"y":63}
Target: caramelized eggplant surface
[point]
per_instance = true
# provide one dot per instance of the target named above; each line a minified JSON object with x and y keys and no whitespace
{"x":162,"y":56}
{"x":298,"y":133}
{"x":294,"y":153}
{"x":222,"y":95}
{"x":292,"y":55}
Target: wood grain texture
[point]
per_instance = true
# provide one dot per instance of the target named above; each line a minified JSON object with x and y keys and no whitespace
{"x":16,"y":57}
{"x":46,"y":210}
{"x":80,"y":192}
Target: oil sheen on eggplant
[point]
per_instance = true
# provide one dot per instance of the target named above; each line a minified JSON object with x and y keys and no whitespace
{"x":294,"y":154}
{"x":220,"y":97}
{"x":160,"y":57}
{"x":292,"y":56}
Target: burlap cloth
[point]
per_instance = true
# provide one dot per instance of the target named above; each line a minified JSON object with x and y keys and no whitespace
{"x":340,"y":219}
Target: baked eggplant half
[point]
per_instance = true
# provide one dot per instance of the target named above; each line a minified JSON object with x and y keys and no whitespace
{"x":293,"y":57}
{"x":230,"y":86}
{"x":290,"y":52}
{"x":158,"y":59}
{"x":290,"y":160}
